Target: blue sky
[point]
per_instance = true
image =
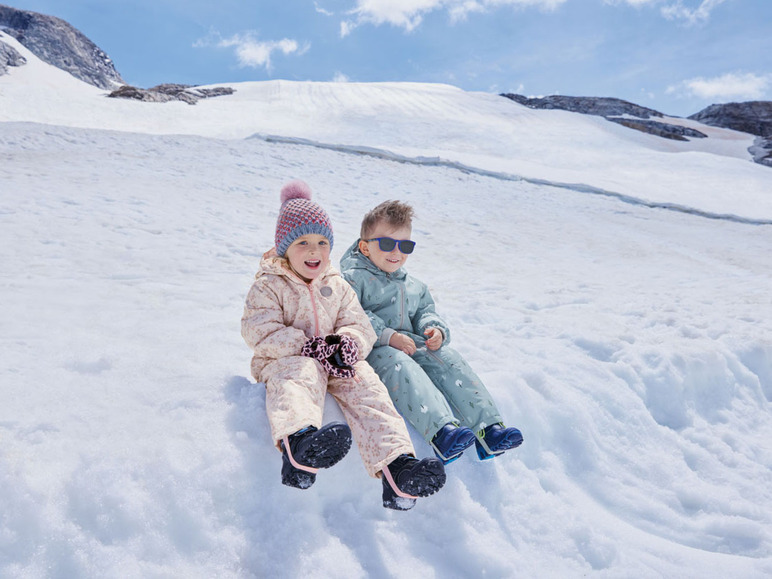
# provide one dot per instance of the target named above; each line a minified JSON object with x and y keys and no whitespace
{"x":676,"y":56}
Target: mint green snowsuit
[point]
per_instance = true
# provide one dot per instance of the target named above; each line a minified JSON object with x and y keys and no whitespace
{"x":431,"y":388}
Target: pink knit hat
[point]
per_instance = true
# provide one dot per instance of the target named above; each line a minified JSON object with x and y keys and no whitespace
{"x":299,"y":216}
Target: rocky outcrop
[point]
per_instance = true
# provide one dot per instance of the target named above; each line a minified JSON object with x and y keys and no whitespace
{"x":754,"y":117}
{"x":9,"y":57}
{"x":170,"y":92}
{"x":57,"y":43}
{"x":659,"y":129}
{"x":762,"y":151}
{"x":615,"y":110}
{"x":600,"y":106}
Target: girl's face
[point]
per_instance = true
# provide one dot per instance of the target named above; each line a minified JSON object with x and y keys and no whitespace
{"x":388,"y":261}
{"x":309,"y":256}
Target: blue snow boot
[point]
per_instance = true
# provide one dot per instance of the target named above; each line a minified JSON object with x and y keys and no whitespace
{"x":495,"y":439}
{"x":407,"y":478}
{"x":310,"y":449}
{"x":451,"y":441}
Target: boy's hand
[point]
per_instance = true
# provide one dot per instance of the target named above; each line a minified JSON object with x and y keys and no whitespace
{"x":434,"y":340}
{"x":402,"y":342}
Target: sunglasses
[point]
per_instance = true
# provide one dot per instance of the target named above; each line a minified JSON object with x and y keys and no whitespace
{"x":406,"y":246}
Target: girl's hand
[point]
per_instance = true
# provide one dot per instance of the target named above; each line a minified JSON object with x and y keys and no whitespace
{"x":434,"y":340}
{"x":402,"y":342}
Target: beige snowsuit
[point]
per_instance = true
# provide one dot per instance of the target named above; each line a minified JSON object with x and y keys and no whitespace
{"x":281,"y":313}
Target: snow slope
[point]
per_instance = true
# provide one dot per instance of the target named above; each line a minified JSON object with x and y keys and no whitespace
{"x":631,"y":344}
{"x":483,"y":131}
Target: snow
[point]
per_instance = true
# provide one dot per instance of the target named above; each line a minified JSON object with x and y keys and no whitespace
{"x":631,"y":343}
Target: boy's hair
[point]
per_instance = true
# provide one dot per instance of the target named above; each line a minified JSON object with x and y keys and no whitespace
{"x":394,"y":213}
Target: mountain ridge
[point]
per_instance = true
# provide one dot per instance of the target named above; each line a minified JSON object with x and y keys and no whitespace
{"x":58,"y":43}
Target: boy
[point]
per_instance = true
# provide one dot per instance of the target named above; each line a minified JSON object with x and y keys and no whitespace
{"x":310,"y":336}
{"x":431,"y":385}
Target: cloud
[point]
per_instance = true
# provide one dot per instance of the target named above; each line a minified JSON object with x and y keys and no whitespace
{"x":406,"y":14}
{"x":409,"y":14}
{"x":251,"y":52}
{"x":734,"y":85}
{"x":346,"y":27}
{"x":700,"y":14}
{"x":319,"y":9}
{"x":690,"y":11}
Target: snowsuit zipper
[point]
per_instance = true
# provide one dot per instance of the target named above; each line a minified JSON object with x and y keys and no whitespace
{"x":313,"y":307}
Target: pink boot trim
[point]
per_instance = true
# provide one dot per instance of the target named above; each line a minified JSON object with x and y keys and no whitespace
{"x":394,"y":486}
{"x":292,"y":460}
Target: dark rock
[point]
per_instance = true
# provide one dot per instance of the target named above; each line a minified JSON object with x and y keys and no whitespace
{"x":754,"y":117}
{"x":665,"y":130}
{"x":56,"y":42}
{"x":762,"y":151}
{"x":9,"y":56}
{"x":170,"y":92}
{"x":599,"y":106}
{"x":614,"y":110}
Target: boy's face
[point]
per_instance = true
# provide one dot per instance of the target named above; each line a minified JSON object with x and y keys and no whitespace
{"x":388,"y":261}
{"x":309,"y":255}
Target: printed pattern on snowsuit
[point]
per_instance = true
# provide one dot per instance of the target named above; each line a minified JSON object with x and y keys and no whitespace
{"x":280,"y":315}
{"x":433,"y":388}
{"x":430,"y":388}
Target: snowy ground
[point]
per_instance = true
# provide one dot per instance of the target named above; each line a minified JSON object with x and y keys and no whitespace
{"x":632,"y":345}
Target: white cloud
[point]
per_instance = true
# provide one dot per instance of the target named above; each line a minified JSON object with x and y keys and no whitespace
{"x":321,"y":10}
{"x":346,"y":27}
{"x":340,"y":77}
{"x":690,"y":11}
{"x":735,"y":85}
{"x":408,"y":14}
{"x":461,"y":8}
{"x":403,"y":13}
{"x":254,"y":53}
{"x":678,"y":11}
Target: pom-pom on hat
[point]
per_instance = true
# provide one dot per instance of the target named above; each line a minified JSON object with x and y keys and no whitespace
{"x":299,"y":216}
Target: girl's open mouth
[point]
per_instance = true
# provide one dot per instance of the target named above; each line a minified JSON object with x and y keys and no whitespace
{"x":313,"y":264}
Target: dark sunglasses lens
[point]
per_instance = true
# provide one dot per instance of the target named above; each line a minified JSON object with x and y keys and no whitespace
{"x":386,"y":243}
{"x":406,"y":246}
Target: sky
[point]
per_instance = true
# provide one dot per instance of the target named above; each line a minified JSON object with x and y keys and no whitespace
{"x":676,"y":56}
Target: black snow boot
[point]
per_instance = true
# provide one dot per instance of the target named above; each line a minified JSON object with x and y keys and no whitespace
{"x":407,"y":478}
{"x":310,"y":449}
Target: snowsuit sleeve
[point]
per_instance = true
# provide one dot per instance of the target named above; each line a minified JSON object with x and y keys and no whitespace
{"x":383,"y":333}
{"x":263,"y":327}
{"x":427,"y":317}
{"x":352,"y":321}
